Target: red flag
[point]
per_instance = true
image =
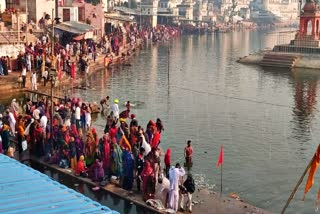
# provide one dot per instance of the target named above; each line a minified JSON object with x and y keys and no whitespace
{"x":220,"y":160}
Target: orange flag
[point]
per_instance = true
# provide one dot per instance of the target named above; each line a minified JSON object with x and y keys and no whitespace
{"x":220,"y":160}
{"x":312,"y":171}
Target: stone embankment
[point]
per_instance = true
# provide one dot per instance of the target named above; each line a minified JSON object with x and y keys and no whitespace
{"x":309,"y":61}
{"x":204,"y":200}
{"x":9,"y":84}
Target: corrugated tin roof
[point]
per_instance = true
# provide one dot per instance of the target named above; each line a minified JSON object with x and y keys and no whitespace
{"x":119,"y":18}
{"x":74,"y":27}
{"x":25,"y":190}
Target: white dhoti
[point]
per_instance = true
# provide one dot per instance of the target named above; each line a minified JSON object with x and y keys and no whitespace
{"x":34,"y":87}
{"x":174,"y":199}
{"x":12,"y":128}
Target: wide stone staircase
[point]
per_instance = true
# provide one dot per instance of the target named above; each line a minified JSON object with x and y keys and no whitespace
{"x":279,"y":60}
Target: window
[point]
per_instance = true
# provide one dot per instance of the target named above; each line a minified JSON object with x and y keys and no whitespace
{"x":81,"y":16}
{"x":12,"y":3}
{"x":66,"y":14}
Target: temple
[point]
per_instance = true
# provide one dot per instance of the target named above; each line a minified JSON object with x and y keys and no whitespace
{"x":307,"y":39}
{"x":309,"y":30}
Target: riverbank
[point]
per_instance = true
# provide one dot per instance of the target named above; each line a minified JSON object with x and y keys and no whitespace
{"x":207,"y":209}
{"x":9,"y":83}
{"x":204,"y":200}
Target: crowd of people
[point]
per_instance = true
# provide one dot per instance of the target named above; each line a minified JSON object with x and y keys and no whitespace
{"x":69,"y":57}
{"x":125,"y":153}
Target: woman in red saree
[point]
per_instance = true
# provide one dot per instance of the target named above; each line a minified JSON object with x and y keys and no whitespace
{"x":81,"y":170}
{"x":148,"y":185}
{"x":167,"y":161}
{"x":106,"y":155}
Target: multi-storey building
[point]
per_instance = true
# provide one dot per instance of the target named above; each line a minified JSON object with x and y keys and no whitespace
{"x":149,"y":12}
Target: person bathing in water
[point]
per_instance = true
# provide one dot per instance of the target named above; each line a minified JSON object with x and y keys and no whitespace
{"x":188,"y":151}
{"x":105,"y":102}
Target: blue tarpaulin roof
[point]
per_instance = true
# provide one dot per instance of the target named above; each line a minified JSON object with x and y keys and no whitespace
{"x":25,"y":190}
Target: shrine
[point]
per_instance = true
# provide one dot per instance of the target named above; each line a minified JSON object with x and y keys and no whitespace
{"x":309,"y":29}
{"x":307,"y":39}
{"x":303,"y":51}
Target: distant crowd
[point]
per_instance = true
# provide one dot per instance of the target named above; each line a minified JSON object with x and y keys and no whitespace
{"x":39,"y":58}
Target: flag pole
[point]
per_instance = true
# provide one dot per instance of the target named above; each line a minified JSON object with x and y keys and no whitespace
{"x":297,"y":186}
{"x":221,"y":181}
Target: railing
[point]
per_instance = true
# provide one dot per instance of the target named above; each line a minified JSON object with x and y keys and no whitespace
{"x":306,"y":44}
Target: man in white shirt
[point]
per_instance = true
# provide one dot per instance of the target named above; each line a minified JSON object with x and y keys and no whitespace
{"x":12,"y":123}
{"x":174,"y":177}
{"x":43,"y":122}
{"x":115,"y":109}
{"x":34,"y":81}
{"x":77,"y":116}
{"x":28,"y":60}
{"x":45,"y":76}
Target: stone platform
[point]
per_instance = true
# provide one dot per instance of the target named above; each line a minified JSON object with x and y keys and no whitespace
{"x":209,"y":202}
{"x":297,"y":49}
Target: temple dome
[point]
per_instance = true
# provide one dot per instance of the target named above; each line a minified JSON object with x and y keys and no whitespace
{"x":310,"y":7}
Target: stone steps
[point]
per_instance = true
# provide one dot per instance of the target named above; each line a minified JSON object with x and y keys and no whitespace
{"x":277,"y":60}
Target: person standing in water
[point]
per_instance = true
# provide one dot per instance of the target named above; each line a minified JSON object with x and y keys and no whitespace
{"x":115,"y":110}
{"x":105,"y":102}
{"x":188,"y":151}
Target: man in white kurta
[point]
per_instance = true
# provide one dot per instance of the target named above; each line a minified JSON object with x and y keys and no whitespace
{"x":12,"y":123}
{"x":43,"y":122}
{"x":115,"y":109}
{"x":162,"y":190}
{"x":174,"y":176}
{"x":34,"y":81}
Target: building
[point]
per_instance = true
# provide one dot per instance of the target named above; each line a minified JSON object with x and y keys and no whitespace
{"x":275,"y":10}
{"x":149,"y":12}
{"x":186,"y":11}
{"x":68,"y":13}
{"x":2,"y":5}
{"x":167,"y":12}
{"x":73,"y":11}
{"x":35,"y":12}
{"x":71,"y":30}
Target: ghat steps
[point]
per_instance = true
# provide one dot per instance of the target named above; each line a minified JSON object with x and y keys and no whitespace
{"x":279,"y":60}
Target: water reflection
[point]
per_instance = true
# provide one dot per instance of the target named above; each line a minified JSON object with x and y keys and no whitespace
{"x":305,"y":93}
{"x":127,"y":207}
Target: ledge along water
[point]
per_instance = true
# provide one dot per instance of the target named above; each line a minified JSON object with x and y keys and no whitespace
{"x":208,"y":202}
{"x":307,"y":61}
{"x":81,"y":185}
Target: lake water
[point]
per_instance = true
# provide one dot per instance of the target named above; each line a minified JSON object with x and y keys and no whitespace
{"x":267,"y":119}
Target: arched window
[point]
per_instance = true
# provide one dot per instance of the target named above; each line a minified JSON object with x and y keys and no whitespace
{"x":309,"y":27}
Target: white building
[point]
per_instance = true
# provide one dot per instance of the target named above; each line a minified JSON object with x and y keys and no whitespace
{"x":283,"y":10}
{"x":149,"y":11}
